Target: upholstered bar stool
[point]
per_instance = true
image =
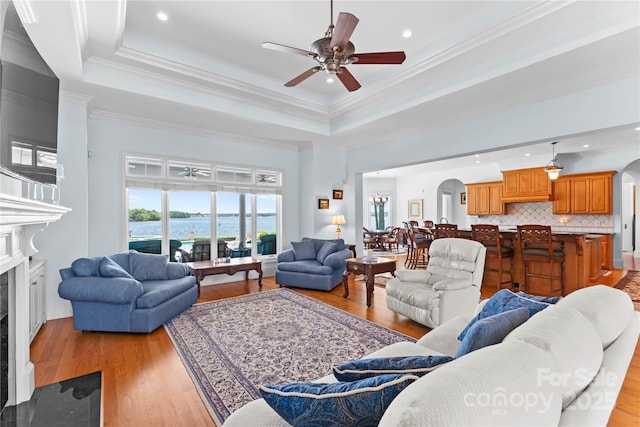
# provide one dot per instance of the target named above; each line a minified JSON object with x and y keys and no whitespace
{"x":489,"y":236}
{"x":542,"y":265}
{"x":418,"y":255}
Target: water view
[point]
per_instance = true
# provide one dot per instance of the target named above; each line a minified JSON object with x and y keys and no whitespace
{"x":180,"y":228}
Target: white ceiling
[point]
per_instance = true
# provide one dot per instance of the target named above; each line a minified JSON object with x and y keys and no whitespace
{"x":204,"y":68}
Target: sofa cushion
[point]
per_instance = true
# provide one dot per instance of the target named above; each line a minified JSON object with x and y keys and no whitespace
{"x":319,"y":242}
{"x":109,"y":268}
{"x":488,"y":387}
{"x":608,"y":309}
{"x":148,"y":266}
{"x":304,"y":250}
{"x":492,"y":330}
{"x":85,"y":267}
{"x":359,"y":403}
{"x":573,"y":344}
{"x":326,"y":249}
{"x":157,"y":292}
{"x":366,"y":368}
{"x":504,"y":300}
{"x":306,"y":266}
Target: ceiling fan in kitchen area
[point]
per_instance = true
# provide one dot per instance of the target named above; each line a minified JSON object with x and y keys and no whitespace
{"x":334,"y":52}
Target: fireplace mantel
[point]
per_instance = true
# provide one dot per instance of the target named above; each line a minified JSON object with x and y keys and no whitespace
{"x":20,"y":220}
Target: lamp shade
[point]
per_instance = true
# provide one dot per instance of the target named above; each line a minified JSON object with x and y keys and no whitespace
{"x":338,"y":220}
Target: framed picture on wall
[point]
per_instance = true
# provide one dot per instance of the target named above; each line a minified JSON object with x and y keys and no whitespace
{"x":323,"y":203}
{"x":463,"y":198}
{"x":337,"y":194}
{"x":415,"y":209}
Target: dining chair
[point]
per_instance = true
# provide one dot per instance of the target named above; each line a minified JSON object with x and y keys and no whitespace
{"x":489,"y":236}
{"x":536,"y":246}
{"x":428,"y":223}
{"x":368,"y":238}
{"x":445,"y":230}
{"x":391,"y":239}
{"x":418,"y":255}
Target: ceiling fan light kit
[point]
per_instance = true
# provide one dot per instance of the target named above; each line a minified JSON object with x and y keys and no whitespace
{"x":334,"y":52}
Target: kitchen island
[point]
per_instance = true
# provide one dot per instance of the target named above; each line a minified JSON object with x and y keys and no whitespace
{"x":583,"y":259}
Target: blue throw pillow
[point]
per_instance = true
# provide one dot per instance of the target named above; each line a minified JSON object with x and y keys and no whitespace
{"x":366,"y":368}
{"x":326,"y":249}
{"x":548,"y":300}
{"x":304,"y":250}
{"x":360,"y":403}
{"x":148,"y":266}
{"x":85,"y":267}
{"x":110,"y":268}
{"x":492,"y":330}
{"x":504,"y":300}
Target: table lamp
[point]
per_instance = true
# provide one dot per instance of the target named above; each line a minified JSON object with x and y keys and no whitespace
{"x":338,"y":220}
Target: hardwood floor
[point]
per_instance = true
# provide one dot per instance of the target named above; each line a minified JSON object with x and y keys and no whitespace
{"x":146,"y":384}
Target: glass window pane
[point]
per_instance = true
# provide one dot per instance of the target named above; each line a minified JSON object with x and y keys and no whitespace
{"x":193,"y":172}
{"x":229,"y":227}
{"x":21,"y":154}
{"x":189,"y":222}
{"x":236,"y":176}
{"x":379,"y":215}
{"x":46,"y":159}
{"x":144,"y":168}
{"x":145,"y":220}
{"x":267,"y":222}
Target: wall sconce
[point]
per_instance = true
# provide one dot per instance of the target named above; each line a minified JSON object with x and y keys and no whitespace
{"x":338,"y":220}
{"x":553,"y":168}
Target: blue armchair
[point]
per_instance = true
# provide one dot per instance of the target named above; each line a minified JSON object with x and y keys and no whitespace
{"x":126,"y":292}
{"x":313,"y":264}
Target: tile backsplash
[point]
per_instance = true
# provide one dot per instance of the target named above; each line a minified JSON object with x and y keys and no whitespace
{"x":541,"y":213}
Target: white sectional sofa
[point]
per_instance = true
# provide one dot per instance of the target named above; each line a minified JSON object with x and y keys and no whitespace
{"x":564,"y":366}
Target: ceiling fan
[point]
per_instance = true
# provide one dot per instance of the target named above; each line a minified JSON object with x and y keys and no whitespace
{"x":334,"y":51}
{"x":193,"y":172}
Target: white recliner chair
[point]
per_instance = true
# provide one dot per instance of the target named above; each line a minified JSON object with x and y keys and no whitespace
{"x":449,"y":287}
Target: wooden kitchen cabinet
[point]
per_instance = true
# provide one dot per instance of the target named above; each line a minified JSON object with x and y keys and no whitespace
{"x":562,"y":196}
{"x":484,"y":198}
{"x":584,"y":194}
{"x":530,"y":185}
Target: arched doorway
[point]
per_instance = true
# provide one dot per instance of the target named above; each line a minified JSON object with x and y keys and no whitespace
{"x":452,"y":202}
{"x":630,"y":201}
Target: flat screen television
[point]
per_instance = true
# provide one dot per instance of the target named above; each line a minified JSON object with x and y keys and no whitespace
{"x":28,"y":106}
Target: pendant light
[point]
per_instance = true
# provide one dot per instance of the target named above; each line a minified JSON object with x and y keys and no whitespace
{"x":553,"y":168}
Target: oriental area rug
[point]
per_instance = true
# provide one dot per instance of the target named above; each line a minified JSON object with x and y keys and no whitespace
{"x":232,"y":346}
{"x":630,"y":283}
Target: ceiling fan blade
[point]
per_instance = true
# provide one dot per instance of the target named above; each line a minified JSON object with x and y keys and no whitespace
{"x":379,"y":58}
{"x":310,"y":72}
{"x":287,"y":49}
{"x":348,"y":80}
{"x":343,"y":30}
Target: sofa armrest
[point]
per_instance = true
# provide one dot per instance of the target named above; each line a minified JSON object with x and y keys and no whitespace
{"x":444,"y":338}
{"x":176,"y":270}
{"x":65,"y":273}
{"x":113,"y":290}
{"x":286,"y":256}
{"x":337,"y":259}
{"x":419,"y":276}
{"x":451,"y":285}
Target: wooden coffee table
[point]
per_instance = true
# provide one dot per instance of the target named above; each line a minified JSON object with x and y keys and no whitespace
{"x":369,"y":268}
{"x":201,"y":269}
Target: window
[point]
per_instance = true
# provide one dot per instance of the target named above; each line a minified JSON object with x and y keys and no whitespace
{"x":379,"y":216}
{"x":180,"y":208}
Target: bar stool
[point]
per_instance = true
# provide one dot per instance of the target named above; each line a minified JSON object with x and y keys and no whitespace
{"x":417,"y":256}
{"x":536,"y":245}
{"x":445,"y":230}
{"x":489,"y":236}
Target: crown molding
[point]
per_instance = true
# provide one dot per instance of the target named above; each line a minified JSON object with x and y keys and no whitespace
{"x":79,"y":17}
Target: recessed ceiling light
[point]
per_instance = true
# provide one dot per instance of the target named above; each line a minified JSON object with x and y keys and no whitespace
{"x":406,"y":34}
{"x":527,"y":154}
{"x":476,"y":155}
{"x":329,"y":80}
{"x":638,"y":128}
{"x":585,"y":146}
{"x":477,"y":161}
{"x":162,"y":16}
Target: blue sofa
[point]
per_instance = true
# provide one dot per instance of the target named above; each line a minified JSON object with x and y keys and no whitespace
{"x":126,"y":292}
{"x":313,"y":264}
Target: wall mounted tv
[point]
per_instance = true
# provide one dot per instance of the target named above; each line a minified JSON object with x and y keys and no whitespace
{"x":28,"y":107}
